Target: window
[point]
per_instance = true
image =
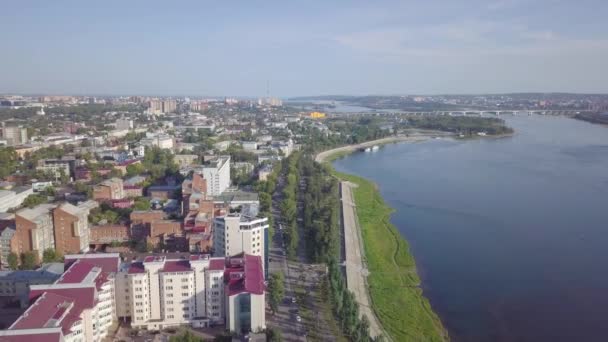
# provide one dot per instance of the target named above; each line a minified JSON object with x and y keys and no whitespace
{"x":169,"y":309}
{"x":185,"y":287}
{"x":185,"y":294}
{"x":169,"y":288}
{"x":169,"y":302}
{"x":186,"y":316}
{"x":169,"y":295}
{"x":170,"y":316}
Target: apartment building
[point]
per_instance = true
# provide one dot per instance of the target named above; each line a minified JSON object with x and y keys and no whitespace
{"x":14,"y":135}
{"x":72,"y":227}
{"x":13,"y":198}
{"x":158,"y":292}
{"x":77,"y":307}
{"x":34,"y":229}
{"x":16,"y":283}
{"x":241,"y":232}
{"x":217,"y":175}
{"x":111,"y":189}
{"x":8,"y":243}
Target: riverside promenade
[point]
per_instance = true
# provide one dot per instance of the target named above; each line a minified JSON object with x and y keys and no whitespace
{"x":356,"y":272}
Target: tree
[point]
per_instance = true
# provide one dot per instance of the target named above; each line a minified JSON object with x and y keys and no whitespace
{"x":141,"y":203}
{"x":273,"y":335}
{"x":185,"y":336}
{"x":51,"y":255}
{"x":28,"y":261}
{"x":276,"y":290}
{"x":13,"y":261}
{"x":34,"y":200}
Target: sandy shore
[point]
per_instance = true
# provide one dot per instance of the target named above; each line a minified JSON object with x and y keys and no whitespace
{"x":414,"y":137}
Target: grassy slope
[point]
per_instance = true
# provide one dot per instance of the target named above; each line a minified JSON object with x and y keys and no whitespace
{"x":394,"y":284}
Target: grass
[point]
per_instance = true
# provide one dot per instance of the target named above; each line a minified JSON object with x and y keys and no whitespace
{"x":397,"y":299}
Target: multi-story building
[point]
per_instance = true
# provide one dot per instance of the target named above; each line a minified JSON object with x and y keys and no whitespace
{"x":16,"y":284}
{"x":10,"y":199}
{"x":8,"y":243}
{"x":57,"y":167}
{"x":34,"y":229}
{"x":110,"y":189}
{"x":159,"y":292}
{"x":78,"y":307}
{"x":217,"y":174}
{"x":124,"y":124}
{"x":243,"y":232}
{"x":72,"y":227}
{"x":14,"y":135}
{"x":159,"y":140}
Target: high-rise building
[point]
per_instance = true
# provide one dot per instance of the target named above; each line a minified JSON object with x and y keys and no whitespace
{"x":14,"y":135}
{"x":159,"y":292}
{"x":34,"y":229}
{"x":241,"y":232}
{"x":79,"y":306}
{"x":124,"y":124}
{"x":169,"y":106}
{"x":71,"y":227}
{"x":217,"y":175}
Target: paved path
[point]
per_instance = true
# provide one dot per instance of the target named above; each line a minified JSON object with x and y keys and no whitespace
{"x":356,"y":272}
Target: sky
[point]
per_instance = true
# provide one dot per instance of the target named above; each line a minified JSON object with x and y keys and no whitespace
{"x":303,"y":48}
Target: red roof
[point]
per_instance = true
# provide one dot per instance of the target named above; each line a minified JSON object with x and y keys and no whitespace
{"x":177,"y":266}
{"x":29,"y":337}
{"x":49,"y":306}
{"x":76,"y":273}
{"x":108,"y":264}
{"x":217,"y":264}
{"x":136,"y":267}
{"x":247,"y":276}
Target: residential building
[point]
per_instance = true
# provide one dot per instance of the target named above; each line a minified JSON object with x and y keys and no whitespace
{"x":185,"y":159}
{"x":7,"y":239}
{"x":34,"y":229}
{"x":79,"y":306}
{"x":249,"y":145}
{"x":106,"y":234}
{"x":159,"y":292}
{"x":14,"y":135}
{"x":124,"y":124}
{"x":10,"y":199}
{"x":110,"y":189}
{"x":217,"y":174}
{"x":264,"y":172}
{"x":244,"y":232}
{"x":16,"y":283}
{"x":133,"y":191}
{"x":72,"y":227}
{"x":159,"y":140}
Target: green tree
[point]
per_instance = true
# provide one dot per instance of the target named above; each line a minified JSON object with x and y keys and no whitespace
{"x":51,"y":255}
{"x":34,"y":200}
{"x":141,"y":203}
{"x":273,"y":335}
{"x":28,"y":261}
{"x":185,"y":336}
{"x":276,"y":290}
{"x":13,"y":261}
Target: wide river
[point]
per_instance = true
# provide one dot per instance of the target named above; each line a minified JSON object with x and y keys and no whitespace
{"x":510,"y":235}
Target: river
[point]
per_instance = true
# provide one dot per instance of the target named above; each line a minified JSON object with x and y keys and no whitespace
{"x":510,"y":235}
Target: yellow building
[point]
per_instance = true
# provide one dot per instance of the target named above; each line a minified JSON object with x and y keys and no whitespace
{"x":317,"y":115}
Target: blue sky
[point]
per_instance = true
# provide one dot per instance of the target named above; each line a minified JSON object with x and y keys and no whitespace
{"x":303,"y":47}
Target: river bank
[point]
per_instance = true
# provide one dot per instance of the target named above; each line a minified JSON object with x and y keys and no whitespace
{"x":393,"y":284}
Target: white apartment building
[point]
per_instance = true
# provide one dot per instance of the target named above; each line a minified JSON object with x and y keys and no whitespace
{"x":10,"y":199}
{"x":244,"y":232}
{"x":158,"y":292}
{"x":78,"y":307}
{"x":124,"y":124}
{"x":160,"y":140}
{"x":217,"y":174}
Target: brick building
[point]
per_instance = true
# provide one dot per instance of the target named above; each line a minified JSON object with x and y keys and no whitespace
{"x":34,"y":229}
{"x":111,"y":189}
{"x":71,"y":227}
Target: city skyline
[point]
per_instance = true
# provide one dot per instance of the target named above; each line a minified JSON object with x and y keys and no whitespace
{"x":304,"y":49}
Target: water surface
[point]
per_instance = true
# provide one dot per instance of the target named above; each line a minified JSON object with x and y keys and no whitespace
{"x":510,"y":235}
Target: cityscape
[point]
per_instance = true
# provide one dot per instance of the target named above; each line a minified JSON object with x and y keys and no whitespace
{"x":281,"y":171}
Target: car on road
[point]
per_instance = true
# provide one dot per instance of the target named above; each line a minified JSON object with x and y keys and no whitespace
{"x":298,"y":318}
{"x":293,"y":300}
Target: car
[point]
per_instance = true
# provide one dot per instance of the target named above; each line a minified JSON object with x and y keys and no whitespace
{"x":298,"y":318}
{"x":293,"y":300}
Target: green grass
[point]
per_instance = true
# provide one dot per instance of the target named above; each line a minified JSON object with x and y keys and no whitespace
{"x":397,"y":299}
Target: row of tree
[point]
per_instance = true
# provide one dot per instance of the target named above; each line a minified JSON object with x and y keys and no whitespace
{"x":29,"y":260}
{"x":289,"y":203}
{"x":321,"y":212}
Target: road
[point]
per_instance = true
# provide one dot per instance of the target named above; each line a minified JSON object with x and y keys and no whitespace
{"x":356,"y":272}
{"x":285,"y":317}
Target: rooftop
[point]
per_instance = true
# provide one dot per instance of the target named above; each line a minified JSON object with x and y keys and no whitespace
{"x":32,"y":214}
{"x":177,"y":266}
{"x":245,"y":274}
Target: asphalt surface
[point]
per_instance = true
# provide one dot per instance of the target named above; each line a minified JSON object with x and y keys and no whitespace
{"x":356,"y":272}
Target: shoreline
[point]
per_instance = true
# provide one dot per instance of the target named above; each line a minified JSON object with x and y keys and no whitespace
{"x":381,"y":256}
{"x":331,"y":155}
